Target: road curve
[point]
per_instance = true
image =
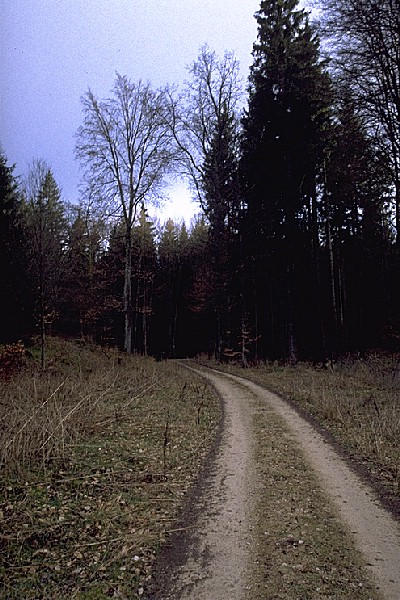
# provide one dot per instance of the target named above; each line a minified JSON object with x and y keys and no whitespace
{"x":216,"y":560}
{"x":214,"y":564}
{"x":376,"y":532}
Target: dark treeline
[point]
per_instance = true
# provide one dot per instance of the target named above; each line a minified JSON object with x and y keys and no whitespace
{"x":297,"y":253}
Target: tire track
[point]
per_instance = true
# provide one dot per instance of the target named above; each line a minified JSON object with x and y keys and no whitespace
{"x":215,"y":557}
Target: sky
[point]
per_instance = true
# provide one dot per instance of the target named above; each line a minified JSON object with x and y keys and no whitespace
{"x":52,"y":51}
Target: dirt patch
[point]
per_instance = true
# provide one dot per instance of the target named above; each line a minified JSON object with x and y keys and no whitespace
{"x":211,"y":558}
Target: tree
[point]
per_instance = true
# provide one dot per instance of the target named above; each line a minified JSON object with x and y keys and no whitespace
{"x":80,"y":277}
{"x":200,"y":116}
{"x":206,"y":130}
{"x":222,"y":201}
{"x":108,"y":313}
{"x":199,"y":290}
{"x":46,"y":226}
{"x":167,"y":288}
{"x":365,"y":38}
{"x":125,"y":147}
{"x":283,"y":150}
{"x":355,"y":229}
{"x":144,"y":253}
{"x":16,"y":293}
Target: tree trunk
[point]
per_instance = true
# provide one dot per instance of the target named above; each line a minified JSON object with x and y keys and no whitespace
{"x":397,"y":209}
{"x":42,"y":334}
{"x":174,"y":327}
{"x":218,"y":340}
{"x":136,"y":315}
{"x":291,"y":341}
{"x":144,"y":313}
{"x":128,"y":290}
{"x":317,"y":271}
{"x":292,"y":344}
{"x":41,"y":290}
{"x":256,"y":329}
{"x":244,"y":336}
{"x":332,"y":285}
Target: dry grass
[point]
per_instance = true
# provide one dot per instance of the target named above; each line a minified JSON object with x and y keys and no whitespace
{"x":358,"y":401}
{"x":96,"y":454}
{"x":44,"y":413}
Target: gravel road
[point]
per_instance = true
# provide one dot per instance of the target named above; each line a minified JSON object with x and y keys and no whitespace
{"x":214,"y":561}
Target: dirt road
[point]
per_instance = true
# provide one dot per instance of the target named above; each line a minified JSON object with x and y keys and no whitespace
{"x":215,"y":560}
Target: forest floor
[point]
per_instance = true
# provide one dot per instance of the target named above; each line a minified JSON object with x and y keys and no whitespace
{"x":279,"y":515}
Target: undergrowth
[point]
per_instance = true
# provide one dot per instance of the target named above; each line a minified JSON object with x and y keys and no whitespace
{"x":96,"y":455}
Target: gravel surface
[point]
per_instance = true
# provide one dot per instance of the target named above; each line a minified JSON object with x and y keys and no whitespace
{"x":214,"y":560}
{"x":214,"y":564}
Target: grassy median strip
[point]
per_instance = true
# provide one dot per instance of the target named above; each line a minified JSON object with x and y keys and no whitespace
{"x":96,"y":454}
{"x":302,"y":551}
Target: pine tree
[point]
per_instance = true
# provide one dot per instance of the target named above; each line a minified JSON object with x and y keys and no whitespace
{"x":199,"y":290}
{"x":169,"y":284}
{"x":16,"y":292}
{"x":283,"y":144}
{"x":364,"y":37}
{"x":221,"y":202}
{"x":143,"y":274}
{"x":355,"y":229}
{"x":108,"y":313}
{"x":80,"y":276}
{"x":46,"y":226}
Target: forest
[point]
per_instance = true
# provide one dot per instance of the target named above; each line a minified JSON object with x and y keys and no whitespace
{"x":296,"y":253}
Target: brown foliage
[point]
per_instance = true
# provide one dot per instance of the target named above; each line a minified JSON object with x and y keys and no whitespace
{"x":12,"y":358}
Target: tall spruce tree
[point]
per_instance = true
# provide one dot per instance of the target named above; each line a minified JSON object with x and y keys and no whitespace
{"x":47,"y":235}
{"x":283,"y":146}
{"x":16,"y":292}
{"x":364,"y":37}
{"x":355,"y":228}
{"x":143,"y":273}
{"x":222,"y":203}
{"x":79,"y":293}
{"x":169,"y":286}
{"x":199,"y":291}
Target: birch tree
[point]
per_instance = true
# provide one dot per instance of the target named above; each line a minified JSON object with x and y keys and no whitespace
{"x":124,"y":145}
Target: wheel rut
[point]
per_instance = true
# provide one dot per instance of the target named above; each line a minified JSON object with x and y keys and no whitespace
{"x":217,"y":549}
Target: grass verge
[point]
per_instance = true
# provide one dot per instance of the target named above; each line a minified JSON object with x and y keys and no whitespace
{"x":96,"y":453}
{"x":358,"y":403}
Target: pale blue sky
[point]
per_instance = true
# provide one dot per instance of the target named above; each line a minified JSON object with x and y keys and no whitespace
{"x":51,"y":51}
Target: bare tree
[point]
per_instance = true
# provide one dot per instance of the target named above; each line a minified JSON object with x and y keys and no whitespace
{"x":212,"y":95}
{"x":125,"y":146}
{"x":205,"y":122}
{"x":365,"y":37}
